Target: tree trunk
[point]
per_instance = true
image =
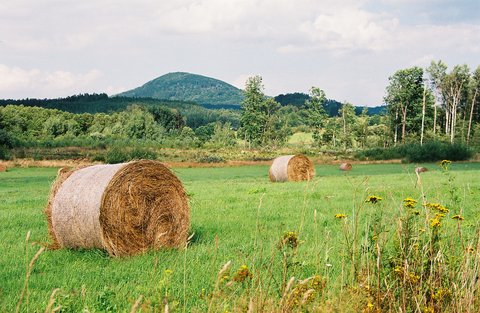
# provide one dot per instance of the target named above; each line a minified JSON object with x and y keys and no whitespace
{"x":423,"y":112}
{"x":471,"y":116}
{"x":435,"y":119}
{"x":395,"y":138}
{"x":404,"y":123}
{"x":344,"y":130}
{"x":447,"y":120}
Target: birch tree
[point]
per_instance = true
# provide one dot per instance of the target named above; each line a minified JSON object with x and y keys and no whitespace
{"x":404,"y":98}
{"x":474,"y":91}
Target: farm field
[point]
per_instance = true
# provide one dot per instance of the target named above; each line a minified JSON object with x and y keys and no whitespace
{"x":270,"y":233}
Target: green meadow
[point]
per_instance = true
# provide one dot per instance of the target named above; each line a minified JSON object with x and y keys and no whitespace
{"x":391,"y":255}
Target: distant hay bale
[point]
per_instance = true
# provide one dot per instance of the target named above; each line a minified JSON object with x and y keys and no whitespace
{"x":345,"y":167}
{"x":3,"y":167}
{"x":291,"y":168}
{"x":419,"y":170}
{"x":125,"y":208}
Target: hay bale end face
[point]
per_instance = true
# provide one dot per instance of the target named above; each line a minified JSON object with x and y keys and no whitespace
{"x":291,"y":168}
{"x":125,"y":208}
{"x":345,"y":167}
{"x":3,"y":167}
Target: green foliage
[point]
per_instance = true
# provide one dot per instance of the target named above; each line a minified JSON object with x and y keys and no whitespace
{"x":404,"y":101}
{"x":223,"y":136}
{"x":211,"y":159}
{"x":261,"y":123}
{"x":429,"y":152}
{"x":120,"y":154}
{"x":296,"y":99}
{"x":316,"y":116}
{"x":188,"y":87}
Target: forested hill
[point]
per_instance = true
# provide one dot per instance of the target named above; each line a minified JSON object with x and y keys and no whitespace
{"x":188,"y":87}
{"x":95,"y":103}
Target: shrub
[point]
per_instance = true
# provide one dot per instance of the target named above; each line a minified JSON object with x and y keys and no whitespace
{"x":120,"y":154}
{"x":211,"y":159}
{"x":116,"y":155}
{"x":429,"y":152}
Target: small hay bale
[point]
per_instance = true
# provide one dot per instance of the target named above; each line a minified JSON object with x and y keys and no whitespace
{"x":345,"y":167}
{"x":125,"y":208}
{"x":419,"y":170}
{"x":3,"y":167}
{"x":291,"y":168}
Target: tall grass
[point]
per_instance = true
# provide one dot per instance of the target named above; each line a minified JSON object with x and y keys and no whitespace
{"x":258,"y":246}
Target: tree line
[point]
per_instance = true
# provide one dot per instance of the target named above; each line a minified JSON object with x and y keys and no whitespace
{"x":434,"y":104}
{"x":421,"y":105}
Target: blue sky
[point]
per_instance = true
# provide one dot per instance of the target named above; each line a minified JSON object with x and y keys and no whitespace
{"x":348,"y":48}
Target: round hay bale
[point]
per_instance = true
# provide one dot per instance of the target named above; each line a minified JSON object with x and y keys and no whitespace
{"x":419,"y":170}
{"x":345,"y":167}
{"x":291,"y":168}
{"x":125,"y":208}
{"x":3,"y":167}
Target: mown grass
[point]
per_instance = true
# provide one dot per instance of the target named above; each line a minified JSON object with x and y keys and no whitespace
{"x":239,"y":216}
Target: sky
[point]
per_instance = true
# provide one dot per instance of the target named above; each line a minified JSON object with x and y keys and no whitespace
{"x":348,"y":48}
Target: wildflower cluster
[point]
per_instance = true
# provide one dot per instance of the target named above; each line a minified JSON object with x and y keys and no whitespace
{"x":242,"y":274}
{"x":409,"y":203}
{"x":435,"y":222}
{"x":436,"y":207}
{"x":306,"y":291}
{"x":340,"y":216}
{"x":373,"y":199}
{"x":408,"y":276}
{"x":289,"y":239}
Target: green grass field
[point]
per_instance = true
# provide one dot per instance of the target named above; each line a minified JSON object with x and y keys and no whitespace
{"x":237,"y":215}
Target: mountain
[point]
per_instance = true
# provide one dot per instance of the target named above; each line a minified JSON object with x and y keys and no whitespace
{"x":188,"y":87}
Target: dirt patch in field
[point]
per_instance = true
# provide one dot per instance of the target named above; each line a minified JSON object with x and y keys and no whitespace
{"x":75,"y":163}
{"x":49,"y":163}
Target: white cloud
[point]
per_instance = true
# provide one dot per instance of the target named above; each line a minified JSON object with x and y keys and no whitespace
{"x":16,"y":82}
{"x":351,"y":29}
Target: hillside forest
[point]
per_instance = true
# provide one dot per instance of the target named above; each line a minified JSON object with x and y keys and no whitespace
{"x":428,"y":114}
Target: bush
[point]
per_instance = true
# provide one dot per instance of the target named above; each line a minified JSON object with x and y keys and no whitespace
{"x":141,"y":153}
{"x":120,"y":154}
{"x":211,"y":159}
{"x":429,"y":152}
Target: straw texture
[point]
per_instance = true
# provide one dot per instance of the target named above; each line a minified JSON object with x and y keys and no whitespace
{"x":123,"y":208}
{"x":291,"y":168}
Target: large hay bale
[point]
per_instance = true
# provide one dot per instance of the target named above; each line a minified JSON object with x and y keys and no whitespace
{"x":291,"y":168}
{"x":123,"y":208}
{"x":345,"y":167}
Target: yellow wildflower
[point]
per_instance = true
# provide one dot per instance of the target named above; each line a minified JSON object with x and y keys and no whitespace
{"x":242,"y":274}
{"x":437,"y":207}
{"x":409,"y":202}
{"x":340,"y":216}
{"x":458,"y":217}
{"x":445,"y":164}
{"x":290,"y":239}
{"x":373,"y":199}
{"x":435,"y":223}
